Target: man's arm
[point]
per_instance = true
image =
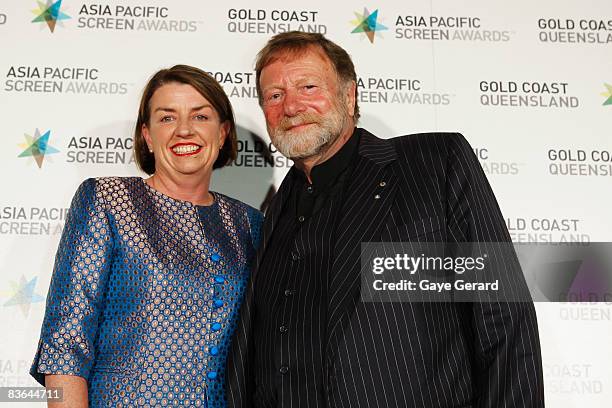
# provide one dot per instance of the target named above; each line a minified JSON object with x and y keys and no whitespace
{"x":507,"y":357}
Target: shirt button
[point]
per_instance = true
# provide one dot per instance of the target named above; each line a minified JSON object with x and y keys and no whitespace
{"x":309,"y":189}
{"x":283,"y":329}
{"x":295,"y":256}
{"x":288,"y":292}
{"x":284,"y":370}
{"x":214,"y":351}
{"x":301,"y":218}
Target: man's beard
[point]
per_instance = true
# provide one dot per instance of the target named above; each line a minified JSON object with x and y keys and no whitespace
{"x":303,"y":143}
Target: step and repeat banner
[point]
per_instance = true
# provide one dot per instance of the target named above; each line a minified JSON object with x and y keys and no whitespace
{"x":528,"y":83}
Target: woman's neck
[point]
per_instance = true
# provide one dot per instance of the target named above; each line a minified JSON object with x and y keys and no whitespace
{"x":185,"y":187}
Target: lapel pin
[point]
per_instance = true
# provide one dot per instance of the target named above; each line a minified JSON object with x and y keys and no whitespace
{"x":377,"y":196}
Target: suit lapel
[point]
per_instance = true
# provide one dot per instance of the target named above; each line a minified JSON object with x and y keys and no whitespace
{"x":366,"y":203}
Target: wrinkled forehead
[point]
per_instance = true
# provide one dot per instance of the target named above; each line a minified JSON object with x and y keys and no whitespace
{"x":314,"y":54}
{"x":292,"y":53}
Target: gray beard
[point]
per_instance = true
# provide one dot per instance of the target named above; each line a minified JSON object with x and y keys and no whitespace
{"x":311,"y":141}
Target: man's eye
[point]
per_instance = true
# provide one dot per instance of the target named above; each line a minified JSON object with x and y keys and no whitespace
{"x":273,"y":97}
{"x":166,"y":119}
{"x":310,"y":87}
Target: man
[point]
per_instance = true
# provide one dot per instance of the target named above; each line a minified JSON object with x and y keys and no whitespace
{"x":305,"y":338}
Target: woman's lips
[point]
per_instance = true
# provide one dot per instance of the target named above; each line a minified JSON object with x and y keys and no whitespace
{"x":185,"y":149}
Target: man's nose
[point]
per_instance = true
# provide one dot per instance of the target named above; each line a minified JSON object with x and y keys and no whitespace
{"x":293,"y":104}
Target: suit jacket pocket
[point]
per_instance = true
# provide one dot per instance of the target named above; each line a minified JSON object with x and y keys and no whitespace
{"x":424,"y":229}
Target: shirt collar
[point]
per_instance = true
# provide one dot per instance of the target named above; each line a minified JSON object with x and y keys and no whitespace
{"x":323,"y":174}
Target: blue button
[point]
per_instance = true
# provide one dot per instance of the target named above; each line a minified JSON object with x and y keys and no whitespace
{"x":211,"y":375}
{"x":214,"y":350}
{"x":215,"y":257}
{"x":216,"y":327}
{"x":219,"y":279}
{"x":218,"y":303}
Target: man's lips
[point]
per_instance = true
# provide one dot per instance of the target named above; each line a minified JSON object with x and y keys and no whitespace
{"x":298,"y":126}
{"x":185,"y":149}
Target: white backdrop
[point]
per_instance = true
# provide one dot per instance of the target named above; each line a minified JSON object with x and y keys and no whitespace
{"x":526,"y":82}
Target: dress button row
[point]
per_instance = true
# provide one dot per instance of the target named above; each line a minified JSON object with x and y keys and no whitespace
{"x":211,"y":375}
{"x":295,"y":256}
{"x":301,"y":218}
{"x":283,"y":370}
{"x":283,"y":329}
{"x":288,"y":292}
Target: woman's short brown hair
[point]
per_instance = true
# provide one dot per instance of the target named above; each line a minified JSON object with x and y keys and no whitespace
{"x":296,"y":42}
{"x":208,"y":88}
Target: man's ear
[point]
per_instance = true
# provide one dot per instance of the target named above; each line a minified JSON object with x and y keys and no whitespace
{"x":349,"y":96}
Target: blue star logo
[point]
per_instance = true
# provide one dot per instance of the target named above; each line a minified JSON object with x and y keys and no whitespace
{"x":49,"y":13}
{"x":37,"y":147}
{"x":23,"y":295}
{"x":367,"y":23}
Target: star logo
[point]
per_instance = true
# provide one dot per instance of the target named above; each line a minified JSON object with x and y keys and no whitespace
{"x":22,"y":294}
{"x":49,"y":13}
{"x":607,"y":94}
{"x":37,"y":147}
{"x":367,"y":24}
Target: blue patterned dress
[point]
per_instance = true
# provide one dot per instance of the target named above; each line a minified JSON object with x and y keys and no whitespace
{"x":145,"y":294}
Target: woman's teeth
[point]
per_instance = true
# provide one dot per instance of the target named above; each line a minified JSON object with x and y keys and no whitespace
{"x":184,"y":149}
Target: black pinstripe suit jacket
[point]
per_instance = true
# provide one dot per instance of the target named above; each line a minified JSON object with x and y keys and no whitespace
{"x":410,"y":354}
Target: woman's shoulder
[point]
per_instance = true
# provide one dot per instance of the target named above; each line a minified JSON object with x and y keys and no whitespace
{"x":111,"y":183}
{"x":240,"y":206}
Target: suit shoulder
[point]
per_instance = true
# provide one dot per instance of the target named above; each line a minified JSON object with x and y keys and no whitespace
{"x":427,"y":141}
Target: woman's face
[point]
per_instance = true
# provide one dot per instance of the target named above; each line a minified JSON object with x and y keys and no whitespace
{"x":184,"y":131}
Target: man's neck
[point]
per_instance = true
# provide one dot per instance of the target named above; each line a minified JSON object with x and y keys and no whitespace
{"x":306,"y":165}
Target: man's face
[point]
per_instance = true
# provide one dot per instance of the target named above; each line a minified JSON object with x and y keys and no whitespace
{"x":305,"y":106}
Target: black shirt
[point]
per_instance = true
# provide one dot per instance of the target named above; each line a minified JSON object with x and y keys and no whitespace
{"x":291,"y":287}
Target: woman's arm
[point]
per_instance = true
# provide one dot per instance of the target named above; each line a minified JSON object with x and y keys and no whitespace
{"x":74,"y":390}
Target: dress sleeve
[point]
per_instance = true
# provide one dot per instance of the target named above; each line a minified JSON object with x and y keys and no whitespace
{"x":76,"y":294}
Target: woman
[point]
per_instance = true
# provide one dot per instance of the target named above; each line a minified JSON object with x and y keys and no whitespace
{"x":150,"y":273}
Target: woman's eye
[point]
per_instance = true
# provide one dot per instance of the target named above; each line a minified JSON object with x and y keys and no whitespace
{"x":201,"y":117}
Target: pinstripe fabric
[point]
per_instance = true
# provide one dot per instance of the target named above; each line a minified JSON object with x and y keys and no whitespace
{"x":411,"y":354}
{"x":289,"y":325}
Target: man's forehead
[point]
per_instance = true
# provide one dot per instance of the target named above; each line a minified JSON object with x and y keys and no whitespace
{"x":290,"y":55}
